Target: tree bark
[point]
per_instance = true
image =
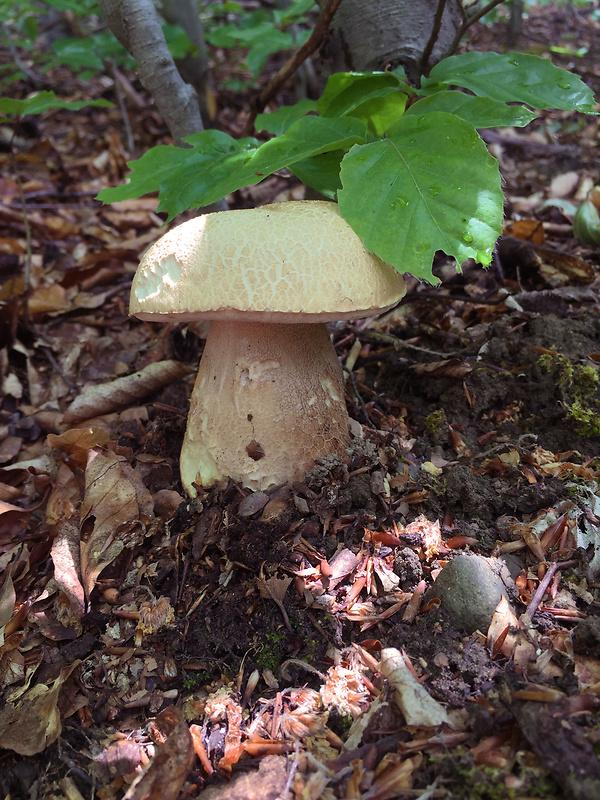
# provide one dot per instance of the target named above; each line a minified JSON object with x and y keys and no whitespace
{"x":194,"y":67}
{"x":136,"y":25}
{"x":388,"y":33}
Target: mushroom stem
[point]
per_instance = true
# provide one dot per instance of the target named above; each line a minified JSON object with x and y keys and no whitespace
{"x":268,"y":401}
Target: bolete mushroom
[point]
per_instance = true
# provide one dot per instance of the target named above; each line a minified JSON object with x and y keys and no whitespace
{"x":269,"y":397}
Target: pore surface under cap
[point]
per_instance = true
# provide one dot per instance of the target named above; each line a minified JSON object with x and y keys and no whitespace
{"x":271,"y":263}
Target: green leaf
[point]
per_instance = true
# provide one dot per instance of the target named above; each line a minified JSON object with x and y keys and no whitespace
{"x":293,"y":13}
{"x":77,"y":53}
{"x":381,"y":112}
{"x":308,"y":137}
{"x":44,"y":101}
{"x":177,"y":40}
{"x":279,"y":121}
{"x":430,"y":185}
{"x":481,"y":112}
{"x":347,"y":91}
{"x":515,"y":77}
{"x":217,"y":164}
{"x":321,"y":173}
{"x":187,"y":177}
{"x":273,"y":41}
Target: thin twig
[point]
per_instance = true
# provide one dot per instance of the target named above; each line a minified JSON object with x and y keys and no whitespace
{"x":399,"y":344}
{"x":26,"y":226}
{"x":435,"y":32}
{"x":37,"y":80}
{"x":290,"y":778}
{"x":545,"y":582}
{"x":292,"y":64}
{"x":122,"y":107}
{"x":471,"y":20}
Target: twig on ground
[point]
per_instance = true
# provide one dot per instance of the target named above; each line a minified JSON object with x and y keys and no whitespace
{"x":122,"y":107}
{"x":545,"y":582}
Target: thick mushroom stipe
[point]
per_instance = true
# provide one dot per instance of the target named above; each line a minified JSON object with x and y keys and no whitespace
{"x":268,"y":401}
{"x":269,"y":398}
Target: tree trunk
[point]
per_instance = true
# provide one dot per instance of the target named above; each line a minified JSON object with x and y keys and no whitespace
{"x":387,"y":33}
{"x":136,"y":25}
{"x":194,"y":67}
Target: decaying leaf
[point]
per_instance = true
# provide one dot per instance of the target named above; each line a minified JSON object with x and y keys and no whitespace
{"x":275,"y":589}
{"x":7,"y":603}
{"x":449,"y":368}
{"x":164,"y":776}
{"x":418,"y":707}
{"x":32,"y":723}
{"x":77,"y":442}
{"x":124,"y":392}
{"x":67,"y":565}
{"x":118,"y":506}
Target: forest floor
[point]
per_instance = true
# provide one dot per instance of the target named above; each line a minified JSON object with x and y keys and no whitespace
{"x":294,"y":643}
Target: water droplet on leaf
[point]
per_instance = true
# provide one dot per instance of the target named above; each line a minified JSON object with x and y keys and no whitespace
{"x":434,"y":190}
{"x":467,"y":237}
{"x":564,"y":85}
{"x":484,"y":256}
{"x":399,"y":202}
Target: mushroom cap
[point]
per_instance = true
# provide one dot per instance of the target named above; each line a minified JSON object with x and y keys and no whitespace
{"x":292,"y":262}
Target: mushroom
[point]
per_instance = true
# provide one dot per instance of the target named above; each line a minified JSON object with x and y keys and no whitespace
{"x":269,"y":397}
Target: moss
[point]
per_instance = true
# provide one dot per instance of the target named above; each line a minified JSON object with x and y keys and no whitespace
{"x":436,"y":426}
{"x":578,"y":384}
{"x":489,"y":783}
{"x":270,"y":653}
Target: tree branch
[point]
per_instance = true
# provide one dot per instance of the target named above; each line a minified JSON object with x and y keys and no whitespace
{"x":435,"y":31}
{"x":471,"y":20}
{"x":292,"y":64}
{"x":136,"y":25}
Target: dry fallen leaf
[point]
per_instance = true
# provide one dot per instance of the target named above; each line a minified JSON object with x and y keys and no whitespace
{"x":32,"y":723}
{"x":77,"y":442}
{"x":118,"y":506}
{"x":275,"y":589}
{"x":124,"y":392}
{"x":164,"y":776}
{"x":449,"y":368}
{"x":67,"y":565}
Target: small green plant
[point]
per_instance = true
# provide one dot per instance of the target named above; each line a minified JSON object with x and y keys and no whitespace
{"x":578,"y":384}
{"x":269,"y":654}
{"x":85,"y":55}
{"x":477,"y":782}
{"x":262,"y":31}
{"x":436,"y":425}
{"x":407,"y":167}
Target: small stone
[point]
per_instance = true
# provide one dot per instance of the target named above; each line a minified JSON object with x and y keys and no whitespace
{"x":470,"y":588}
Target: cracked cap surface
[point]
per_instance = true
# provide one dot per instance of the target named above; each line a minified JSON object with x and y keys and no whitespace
{"x":297,"y":261}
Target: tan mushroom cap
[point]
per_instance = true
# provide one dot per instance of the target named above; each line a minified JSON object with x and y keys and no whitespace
{"x":297,"y":261}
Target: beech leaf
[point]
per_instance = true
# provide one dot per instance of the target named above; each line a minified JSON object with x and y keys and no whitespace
{"x":118,"y":506}
{"x":429,"y":185}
